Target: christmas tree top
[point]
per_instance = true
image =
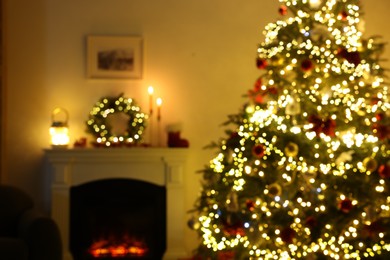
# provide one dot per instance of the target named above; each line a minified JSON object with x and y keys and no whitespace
{"x":305,"y":172}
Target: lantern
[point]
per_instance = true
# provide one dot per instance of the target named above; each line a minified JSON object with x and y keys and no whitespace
{"x":59,"y":131}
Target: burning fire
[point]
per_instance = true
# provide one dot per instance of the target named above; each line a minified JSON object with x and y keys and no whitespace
{"x":117,"y":248}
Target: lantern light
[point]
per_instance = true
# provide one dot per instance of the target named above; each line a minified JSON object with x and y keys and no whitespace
{"x":59,"y":131}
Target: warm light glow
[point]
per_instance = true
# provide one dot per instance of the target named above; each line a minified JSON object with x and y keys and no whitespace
{"x":159,"y":102}
{"x":59,"y":136}
{"x":59,"y":131}
{"x":150,"y":90}
{"x":118,"y":248}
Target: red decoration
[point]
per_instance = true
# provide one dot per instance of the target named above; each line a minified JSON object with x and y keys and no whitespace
{"x":345,"y":205}
{"x":287,"y":235}
{"x":261,"y":63}
{"x":255,"y":94}
{"x":258,"y":94}
{"x":234,"y":229}
{"x":258,"y":85}
{"x":81,"y":143}
{"x":382,"y":131}
{"x":272,"y":90}
{"x":174,"y":140}
{"x":283,"y":10}
{"x":234,"y":139}
{"x":327,"y":126}
{"x":384,"y":171}
{"x":258,"y":150}
{"x":311,"y":222}
{"x":226,"y":255}
{"x":307,"y":65}
{"x":380,"y":116}
{"x":375,"y":100}
{"x":373,"y":230}
{"x":352,"y":57}
{"x":343,"y":15}
{"x":250,"y":205}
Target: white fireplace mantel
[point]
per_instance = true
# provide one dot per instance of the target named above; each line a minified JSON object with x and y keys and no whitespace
{"x":160,"y":166}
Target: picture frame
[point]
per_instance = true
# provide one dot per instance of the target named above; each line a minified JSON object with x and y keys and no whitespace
{"x":115,"y":57}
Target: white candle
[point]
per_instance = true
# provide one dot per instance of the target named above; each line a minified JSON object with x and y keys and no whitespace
{"x":159,"y":103}
{"x":150,"y":91}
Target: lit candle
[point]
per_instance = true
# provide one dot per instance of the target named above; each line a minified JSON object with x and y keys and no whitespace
{"x":159,"y":103}
{"x":150,"y":91}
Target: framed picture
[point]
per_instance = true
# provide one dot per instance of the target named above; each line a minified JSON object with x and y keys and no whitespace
{"x":114,"y":57}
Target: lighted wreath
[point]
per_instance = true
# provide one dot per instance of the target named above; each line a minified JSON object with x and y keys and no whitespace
{"x":99,"y":126}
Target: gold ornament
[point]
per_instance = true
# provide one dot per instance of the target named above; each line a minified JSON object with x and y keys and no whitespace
{"x":291,"y":149}
{"x":274,"y":190}
{"x":293,"y":107}
{"x":370,"y":164}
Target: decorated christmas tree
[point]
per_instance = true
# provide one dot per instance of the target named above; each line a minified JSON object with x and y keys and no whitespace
{"x":304,"y":169}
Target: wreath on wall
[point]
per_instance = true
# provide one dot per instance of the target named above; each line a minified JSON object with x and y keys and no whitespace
{"x":99,"y":125}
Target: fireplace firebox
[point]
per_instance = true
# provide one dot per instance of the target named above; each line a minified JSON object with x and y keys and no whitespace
{"x":117,"y":219}
{"x":87,"y":185}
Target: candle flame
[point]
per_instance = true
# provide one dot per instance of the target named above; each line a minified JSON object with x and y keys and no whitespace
{"x":159,"y":102}
{"x":150,"y":90}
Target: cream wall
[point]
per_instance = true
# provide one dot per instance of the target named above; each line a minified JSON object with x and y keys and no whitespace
{"x":199,"y":55}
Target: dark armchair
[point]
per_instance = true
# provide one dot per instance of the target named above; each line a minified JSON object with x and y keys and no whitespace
{"x":26,"y":234}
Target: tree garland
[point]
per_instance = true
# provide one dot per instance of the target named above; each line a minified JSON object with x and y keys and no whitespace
{"x":97,"y":123}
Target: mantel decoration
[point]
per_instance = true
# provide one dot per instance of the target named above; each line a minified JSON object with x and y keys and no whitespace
{"x":132,"y":122}
{"x":59,"y":131}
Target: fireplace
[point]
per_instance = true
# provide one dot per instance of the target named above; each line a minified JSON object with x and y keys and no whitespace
{"x":120,"y":203}
{"x":126,"y":221}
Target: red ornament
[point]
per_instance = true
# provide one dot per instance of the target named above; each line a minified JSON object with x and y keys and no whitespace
{"x":234,"y":139}
{"x":261,"y":63}
{"x":272,"y":90}
{"x":384,"y":171}
{"x":380,"y":116}
{"x":255,"y":93}
{"x":287,"y":235}
{"x":258,"y":85}
{"x":343,"y":15}
{"x":234,"y":229}
{"x":259,"y":95}
{"x":352,"y":57}
{"x":382,"y":131}
{"x":311,"y":222}
{"x":250,"y":205}
{"x":373,"y":229}
{"x":375,"y":100}
{"x":327,"y":126}
{"x":258,"y":150}
{"x":307,"y":65}
{"x":283,"y":10}
{"x":226,"y":255}
{"x":345,"y":205}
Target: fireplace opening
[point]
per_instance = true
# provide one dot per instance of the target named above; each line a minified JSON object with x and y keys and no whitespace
{"x":117,"y":219}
